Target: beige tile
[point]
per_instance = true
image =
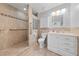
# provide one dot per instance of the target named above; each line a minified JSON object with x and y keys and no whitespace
{"x":22,"y":50}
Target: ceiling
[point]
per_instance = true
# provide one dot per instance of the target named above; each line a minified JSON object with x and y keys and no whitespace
{"x":37,"y":7}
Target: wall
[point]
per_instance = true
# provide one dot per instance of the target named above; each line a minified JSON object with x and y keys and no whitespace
{"x":43,"y":20}
{"x":45,"y":15}
{"x":13,"y":26}
{"x":75,"y":15}
{"x":66,"y":20}
{"x":30,"y":25}
{"x":71,"y":22}
{"x":75,"y":18}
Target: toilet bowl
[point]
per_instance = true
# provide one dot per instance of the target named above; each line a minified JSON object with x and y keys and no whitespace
{"x":41,"y":40}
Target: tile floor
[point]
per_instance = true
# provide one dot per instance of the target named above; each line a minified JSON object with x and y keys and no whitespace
{"x":22,"y":50}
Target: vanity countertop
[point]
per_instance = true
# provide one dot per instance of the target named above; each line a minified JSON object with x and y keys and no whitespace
{"x":70,"y":34}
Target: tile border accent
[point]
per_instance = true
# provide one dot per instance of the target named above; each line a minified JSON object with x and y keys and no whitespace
{"x":3,"y":14}
{"x":17,"y":29}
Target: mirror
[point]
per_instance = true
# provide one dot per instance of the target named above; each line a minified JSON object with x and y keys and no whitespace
{"x":56,"y":18}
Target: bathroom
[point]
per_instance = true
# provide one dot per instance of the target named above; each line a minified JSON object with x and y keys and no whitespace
{"x":33,"y":27}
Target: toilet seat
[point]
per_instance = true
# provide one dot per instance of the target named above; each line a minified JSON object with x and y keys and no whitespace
{"x":41,"y":40}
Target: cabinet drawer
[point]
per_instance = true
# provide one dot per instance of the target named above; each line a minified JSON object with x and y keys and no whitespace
{"x":69,"y":41}
{"x":69,"y":38}
{"x":68,"y":44}
{"x":70,"y":50}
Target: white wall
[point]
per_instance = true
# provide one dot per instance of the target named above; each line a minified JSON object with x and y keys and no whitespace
{"x":75,"y":15}
{"x":44,"y":16}
{"x":43,"y":21}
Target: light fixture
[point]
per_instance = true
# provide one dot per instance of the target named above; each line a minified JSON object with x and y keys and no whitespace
{"x":63,"y":10}
{"x":53,"y":13}
{"x":58,"y":12}
{"x":24,"y":8}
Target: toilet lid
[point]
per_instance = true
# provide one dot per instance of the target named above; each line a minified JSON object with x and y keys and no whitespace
{"x":41,"y":39}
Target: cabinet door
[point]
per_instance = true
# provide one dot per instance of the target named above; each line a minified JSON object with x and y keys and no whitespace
{"x":70,"y":45}
{"x":52,"y":42}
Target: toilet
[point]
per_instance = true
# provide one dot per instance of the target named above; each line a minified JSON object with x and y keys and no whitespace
{"x":42,"y":39}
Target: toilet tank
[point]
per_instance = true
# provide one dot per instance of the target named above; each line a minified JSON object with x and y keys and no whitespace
{"x":43,"y":35}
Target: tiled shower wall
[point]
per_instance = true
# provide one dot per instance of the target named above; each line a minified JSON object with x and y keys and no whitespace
{"x":13,"y":26}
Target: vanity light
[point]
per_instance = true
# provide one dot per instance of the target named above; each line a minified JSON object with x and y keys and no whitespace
{"x":63,"y":10}
{"x":24,"y":8}
{"x":53,"y":13}
{"x":58,"y":12}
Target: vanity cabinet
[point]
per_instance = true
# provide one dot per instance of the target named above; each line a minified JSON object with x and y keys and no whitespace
{"x":66,"y":45}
